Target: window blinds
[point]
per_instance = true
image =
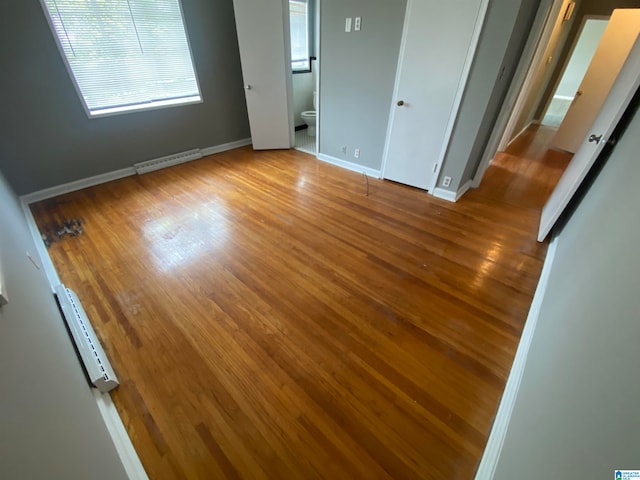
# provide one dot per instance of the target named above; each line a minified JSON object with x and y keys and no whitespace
{"x":125,"y":54}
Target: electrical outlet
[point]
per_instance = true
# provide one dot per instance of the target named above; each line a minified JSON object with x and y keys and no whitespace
{"x":356,"y":23}
{"x":446,"y":182}
{"x":344,"y":150}
{"x":356,"y":153}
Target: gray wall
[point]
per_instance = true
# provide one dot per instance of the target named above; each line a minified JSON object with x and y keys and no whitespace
{"x":46,"y":138}
{"x":50,"y":426}
{"x":504,"y":33}
{"x":357,"y":75}
{"x":576,"y":413}
{"x":585,"y":7}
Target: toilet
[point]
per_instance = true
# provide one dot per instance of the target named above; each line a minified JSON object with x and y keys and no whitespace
{"x":309,"y":117}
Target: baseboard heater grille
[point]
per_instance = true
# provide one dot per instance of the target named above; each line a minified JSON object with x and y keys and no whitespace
{"x":95,"y":361}
{"x":168,"y":161}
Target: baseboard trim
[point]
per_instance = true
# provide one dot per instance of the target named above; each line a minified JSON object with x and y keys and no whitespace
{"x":69,"y":187}
{"x":225,"y":146}
{"x":122,"y":442}
{"x":110,"y":416}
{"x":563,"y":97}
{"x":354,"y":167}
{"x":452,"y":196}
{"x":489,"y":461}
{"x":77,"y":185}
{"x":532,"y":122}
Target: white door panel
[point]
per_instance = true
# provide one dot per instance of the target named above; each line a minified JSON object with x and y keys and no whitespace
{"x":613,"y":49}
{"x":263,"y":40}
{"x":613,"y":107}
{"x":436,"y":42}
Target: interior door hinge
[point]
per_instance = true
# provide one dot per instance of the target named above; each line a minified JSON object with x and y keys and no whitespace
{"x":435,"y":167}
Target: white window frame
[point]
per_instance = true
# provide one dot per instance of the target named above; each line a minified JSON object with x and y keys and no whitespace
{"x":139,"y":107}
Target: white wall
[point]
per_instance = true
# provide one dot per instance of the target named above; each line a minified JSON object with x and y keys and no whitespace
{"x":50,"y":426}
{"x":581,"y":57}
{"x":577,"y":411}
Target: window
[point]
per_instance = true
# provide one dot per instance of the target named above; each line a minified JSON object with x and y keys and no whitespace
{"x":299,"y":19}
{"x":125,"y":55}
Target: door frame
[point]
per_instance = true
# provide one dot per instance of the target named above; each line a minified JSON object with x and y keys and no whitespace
{"x":570,"y":55}
{"x":532,"y":53}
{"x":453,"y":115}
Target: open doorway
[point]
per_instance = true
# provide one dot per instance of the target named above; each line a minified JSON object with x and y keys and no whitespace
{"x":519,"y":113}
{"x":574,"y":69}
{"x":303,"y":18}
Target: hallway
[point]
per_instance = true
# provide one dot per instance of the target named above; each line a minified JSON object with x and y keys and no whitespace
{"x":526,"y":173}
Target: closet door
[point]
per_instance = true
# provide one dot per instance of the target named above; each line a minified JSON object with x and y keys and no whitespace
{"x":265,"y":54}
{"x":438,"y":43}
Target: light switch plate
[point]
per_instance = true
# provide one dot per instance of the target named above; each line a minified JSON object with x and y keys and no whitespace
{"x":347,"y":25}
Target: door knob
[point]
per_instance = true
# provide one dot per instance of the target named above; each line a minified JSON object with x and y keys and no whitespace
{"x":578,"y":93}
{"x":247,"y":87}
{"x":400,"y":103}
{"x":595,"y":138}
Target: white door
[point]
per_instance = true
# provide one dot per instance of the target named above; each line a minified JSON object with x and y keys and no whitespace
{"x":620,"y":95}
{"x":263,"y":39}
{"x":616,"y":42}
{"x":436,"y":44}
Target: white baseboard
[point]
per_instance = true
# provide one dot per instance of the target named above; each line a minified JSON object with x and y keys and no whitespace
{"x":77,"y":185}
{"x":452,"y":196}
{"x":122,"y":442}
{"x":115,"y":175}
{"x":349,"y":165}
{"x":563,"y":97}
{"x":489,"y":461}
{"x":110,"y":416}
{"x":225,"y":146}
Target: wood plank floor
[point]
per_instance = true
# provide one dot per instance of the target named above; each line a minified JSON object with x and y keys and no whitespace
{"x":269,"y":320}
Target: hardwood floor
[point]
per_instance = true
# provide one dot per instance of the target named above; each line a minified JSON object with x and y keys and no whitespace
{"x":268,"y":319}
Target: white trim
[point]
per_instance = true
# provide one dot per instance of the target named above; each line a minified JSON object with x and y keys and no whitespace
{"x":225,"y":146}
{"x":77,"y":185}
{"x":349,"y":165}
{"x":113,"y":422}
{"x":128,"y":456}
{"x":534,"y":66}
{"x":568,"y":58}
{"x":462,"y":84}
{"x":453,"y":116}
{"x":561,"y":97}
{"x":130,"y":108}
{"x":443,"y":194}
{"x":45,"y":259}
{"x":513,"y":94}
{"x":524,"y":129}
{"x":489,"y":461}
{"x":69,"y":187}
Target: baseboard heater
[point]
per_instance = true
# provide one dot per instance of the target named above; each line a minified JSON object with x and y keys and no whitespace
{"x":96,"y":364}
{"x":168,"y":161}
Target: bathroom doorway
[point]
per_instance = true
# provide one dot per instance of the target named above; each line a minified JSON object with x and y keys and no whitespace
{"x":303,"y":21}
